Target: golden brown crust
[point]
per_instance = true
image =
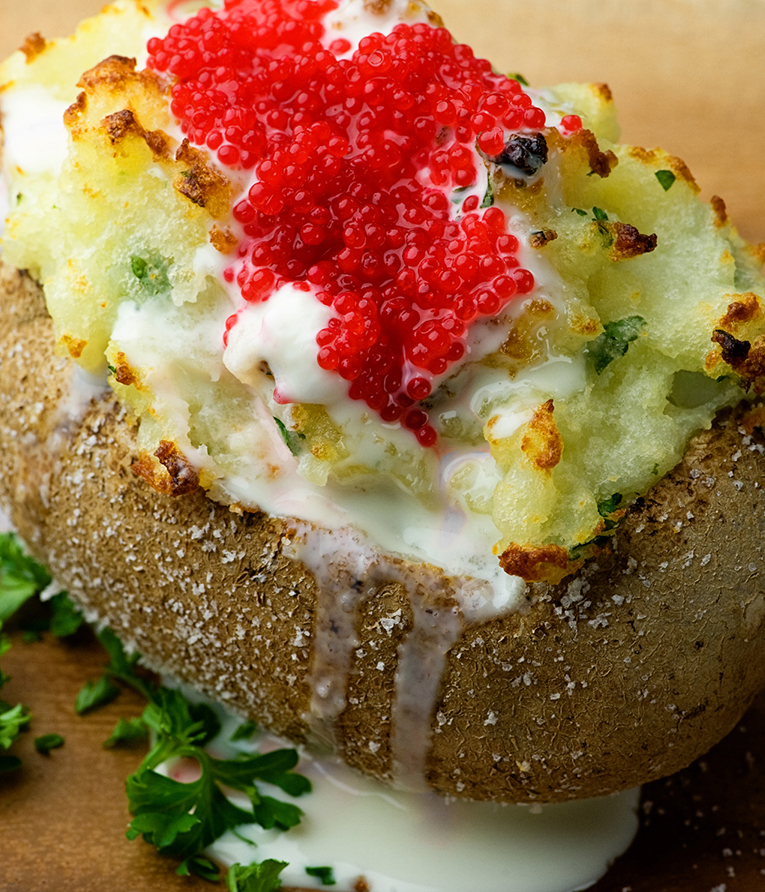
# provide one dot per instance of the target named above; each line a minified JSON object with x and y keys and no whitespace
{"x":201,"y":183}
{"x":33,"y":45}
{"x":542,"y":443}
{"x":624,"y":673}
{"x":628,"y":242}
{"x":537,"y":563}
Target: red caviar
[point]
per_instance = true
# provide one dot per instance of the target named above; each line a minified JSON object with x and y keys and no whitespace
{"x":361,"y":163}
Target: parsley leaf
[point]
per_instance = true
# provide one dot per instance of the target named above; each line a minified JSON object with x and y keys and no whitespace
{"x":245,"y":731}
{"x":666,"y":178}
{"x":126,"y":731}
{"x":325,"y":874}
{"x":151,"y":273}
{"x":94,"y":694}
{"x":600,"y":215}
{"x":202,"y":867}
{"x":614,"y":341}
{"x":291,"y":438}
{"x":183,"y":818}
{"x":48,"y":742}
{"x":9,"y":763}
{"x":13,"y":720}
{"x":263,"y":877}
{"x":518,"y":77}
{"x":488,"y":198}
{"x":65,"y":617}
{"x":609,"y":505}
{"x":21,"y":576}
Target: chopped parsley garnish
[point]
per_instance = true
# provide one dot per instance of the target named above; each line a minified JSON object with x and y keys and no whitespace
{"x":324,"y":874}
{"x":600,"y":215}
{"x":666,"y":178}
{"x":609,"y":505}
{"x":48,"y":742}
{"x":13,"y":720}
{"x":293,"y":439}
{"x":179,"y":818}
{"x":580,"y":211}
{"x":614,"y":341}
{"x":126,"y":731}
{"x":21,"y":576}
{"x":202,"y":867}
{"x":65,"y":618}
{"x":520,"y":78}
{"x":151,"y":273}
{"x":488,"y":198}
{"x":182,"y":818}
{"x":245,"y":731}
{"x":95,"y":694}
{"x":9,"y":763}
{"x":263,"y":877}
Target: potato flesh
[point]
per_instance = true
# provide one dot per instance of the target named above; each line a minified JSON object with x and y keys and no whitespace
{"x":117,"y":203}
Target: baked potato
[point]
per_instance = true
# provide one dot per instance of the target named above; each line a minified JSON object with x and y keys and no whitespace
{"x":593,"y":682}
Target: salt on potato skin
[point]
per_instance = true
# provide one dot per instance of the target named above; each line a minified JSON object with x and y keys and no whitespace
{"x":623,"y":674}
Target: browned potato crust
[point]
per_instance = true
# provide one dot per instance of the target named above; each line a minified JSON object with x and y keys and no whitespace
{"x":621,"y":675}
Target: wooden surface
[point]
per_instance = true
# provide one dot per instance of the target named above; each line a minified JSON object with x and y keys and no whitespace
{"x":688,"y":75}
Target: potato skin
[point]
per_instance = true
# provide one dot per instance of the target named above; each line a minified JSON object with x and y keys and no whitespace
{"x":618,"y":676}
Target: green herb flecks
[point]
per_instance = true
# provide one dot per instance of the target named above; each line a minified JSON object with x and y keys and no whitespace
{"x":95,"y":694}
{"x":324,"y":874}
{"x":245,"y":731}
{"x":488,"y":198}
{"x":200,"y":866}
{"x":126,"y":731}
{"x":520,"y":78}
{"x":13,"y":719}
{"x":666,"y":178}
{"x":609,"y":505}
{"x":47,"y":742}
{"x":65,"y":618}
{"x":580,"y":211}
{"x":613,"y":343}
{"x":293,"y":439}
{"x":182,"y":818}
{"x":263,"y":877}
{"x":21,"y":576}
{"x":151,"y":273}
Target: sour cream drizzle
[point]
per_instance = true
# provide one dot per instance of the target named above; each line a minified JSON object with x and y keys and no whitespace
{"x":420,"y":842}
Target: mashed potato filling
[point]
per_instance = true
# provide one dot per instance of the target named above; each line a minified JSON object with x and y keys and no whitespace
{"x":573,"y":398}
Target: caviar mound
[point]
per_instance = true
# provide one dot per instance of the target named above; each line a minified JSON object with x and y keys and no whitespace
{"x":337,"y":141}
{"x":668,"y":639}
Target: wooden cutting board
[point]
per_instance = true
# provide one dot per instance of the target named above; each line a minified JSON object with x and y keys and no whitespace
{"x":689,"y":76}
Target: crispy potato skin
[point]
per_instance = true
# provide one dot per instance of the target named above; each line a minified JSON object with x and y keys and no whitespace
{"x":623,"y":674}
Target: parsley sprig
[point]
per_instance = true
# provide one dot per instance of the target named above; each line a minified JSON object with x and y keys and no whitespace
{"x":182,"y":818}
{"x":21,"y":579}
{"x":613,"y":342}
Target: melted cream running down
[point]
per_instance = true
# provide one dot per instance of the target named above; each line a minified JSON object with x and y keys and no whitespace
{"x":420,"y":842}
{"x":348,"y":570}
